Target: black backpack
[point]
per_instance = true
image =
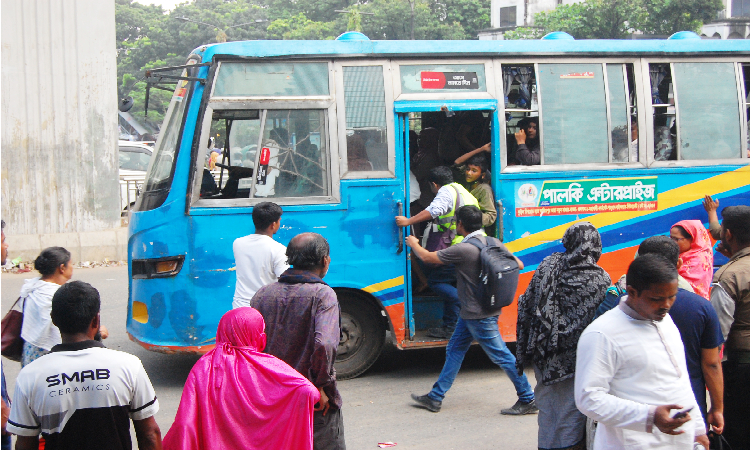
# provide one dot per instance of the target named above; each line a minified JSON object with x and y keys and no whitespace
{"x":498,"y":278}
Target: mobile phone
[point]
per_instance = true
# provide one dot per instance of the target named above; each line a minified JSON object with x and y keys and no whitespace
{"x":682,"y":413}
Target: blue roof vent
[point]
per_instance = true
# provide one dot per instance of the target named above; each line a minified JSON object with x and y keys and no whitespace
{"x":352,"y":36}
{"x":559,"y":36}
{"x":685,"y":35}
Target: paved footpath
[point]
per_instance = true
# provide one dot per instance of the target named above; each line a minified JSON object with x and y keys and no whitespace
{"x":377,"y":407}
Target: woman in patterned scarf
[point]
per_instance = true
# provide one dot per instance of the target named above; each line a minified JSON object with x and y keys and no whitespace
{"x":558,"y":305}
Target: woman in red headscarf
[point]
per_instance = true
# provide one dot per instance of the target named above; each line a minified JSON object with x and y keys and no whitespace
{"x":237,"y":397}
{"x":696,"y":254}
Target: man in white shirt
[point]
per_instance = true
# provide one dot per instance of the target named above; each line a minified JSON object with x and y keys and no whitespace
{"x":631,"y":370}
{"x":259,"y":259}
{"x":81,"y":395}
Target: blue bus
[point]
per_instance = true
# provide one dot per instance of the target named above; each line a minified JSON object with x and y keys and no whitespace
{"x":632,"y":135}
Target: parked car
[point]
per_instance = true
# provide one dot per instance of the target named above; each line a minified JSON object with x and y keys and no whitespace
{"x":134,"y":158}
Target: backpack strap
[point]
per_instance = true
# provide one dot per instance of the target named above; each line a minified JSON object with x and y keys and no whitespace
{"x":476,"y":242}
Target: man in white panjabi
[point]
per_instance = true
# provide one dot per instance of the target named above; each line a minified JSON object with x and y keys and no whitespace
{"x":631,"y":374}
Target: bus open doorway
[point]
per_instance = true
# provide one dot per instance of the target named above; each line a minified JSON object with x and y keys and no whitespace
{"x":432,"y":138}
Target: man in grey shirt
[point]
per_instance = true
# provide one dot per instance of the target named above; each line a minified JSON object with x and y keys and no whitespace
{"x":473,"y":324}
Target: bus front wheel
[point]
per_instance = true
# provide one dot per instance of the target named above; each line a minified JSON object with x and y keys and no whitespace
{"x":362,"y":336}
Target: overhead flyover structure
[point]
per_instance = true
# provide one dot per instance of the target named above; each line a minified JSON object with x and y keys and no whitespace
{"x":59,"y":128}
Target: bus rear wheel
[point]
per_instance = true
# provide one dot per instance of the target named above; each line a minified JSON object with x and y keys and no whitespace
{"x":362,"y":336}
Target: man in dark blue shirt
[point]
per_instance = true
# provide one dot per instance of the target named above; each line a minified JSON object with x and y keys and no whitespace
{"x":701,"y":335}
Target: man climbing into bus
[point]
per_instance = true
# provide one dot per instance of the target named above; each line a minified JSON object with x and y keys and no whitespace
{"x":259,"y":259}
{"x":475,"y":323}
{"x":439,"y":235}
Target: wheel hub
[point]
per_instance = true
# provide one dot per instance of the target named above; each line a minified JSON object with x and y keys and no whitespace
{"x":351,"y":336}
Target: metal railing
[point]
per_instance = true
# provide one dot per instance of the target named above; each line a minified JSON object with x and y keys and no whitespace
{"x":130,"y":188}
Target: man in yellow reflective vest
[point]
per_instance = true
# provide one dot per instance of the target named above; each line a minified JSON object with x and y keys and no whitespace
{"x":440,"y":234}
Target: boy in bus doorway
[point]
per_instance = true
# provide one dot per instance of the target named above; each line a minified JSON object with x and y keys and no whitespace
{"x":442,"y":234}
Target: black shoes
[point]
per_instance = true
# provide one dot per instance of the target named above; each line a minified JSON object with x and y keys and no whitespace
{"x":440,"y":332}
{"x":519,"y":409}
{"x":427,"y":403}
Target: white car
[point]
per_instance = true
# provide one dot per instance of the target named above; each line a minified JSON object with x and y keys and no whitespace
{"x":134,"y":158}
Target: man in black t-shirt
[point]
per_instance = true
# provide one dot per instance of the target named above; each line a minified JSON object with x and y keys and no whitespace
{"x":81,"y":395}
{"x":473,"y":324}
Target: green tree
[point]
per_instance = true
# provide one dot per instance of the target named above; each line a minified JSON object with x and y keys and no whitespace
{"x":148,"y":37}
{"x":392,"y":19}
{"x":473,"y":15}
{"x":300,"y":27}
{"x":667,"y":17}
{"x":616,"y":19}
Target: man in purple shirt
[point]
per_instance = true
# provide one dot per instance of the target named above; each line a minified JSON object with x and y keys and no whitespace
{"x":302,"y":327}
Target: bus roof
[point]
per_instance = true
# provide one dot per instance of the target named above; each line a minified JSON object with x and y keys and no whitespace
{"x":474,"y":48}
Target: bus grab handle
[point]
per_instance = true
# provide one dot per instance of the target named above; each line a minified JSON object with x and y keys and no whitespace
{"x":400,"y":229}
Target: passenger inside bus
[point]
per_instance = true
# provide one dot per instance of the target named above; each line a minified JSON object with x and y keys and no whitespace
{"x":356,"y":154}
{"x":527,"y":142}
{"x":665,"y":123}
{"x":473,"y":130}
{"x":633,"y":139}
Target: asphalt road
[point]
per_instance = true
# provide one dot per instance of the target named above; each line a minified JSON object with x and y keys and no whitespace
{"x":377,"y":407}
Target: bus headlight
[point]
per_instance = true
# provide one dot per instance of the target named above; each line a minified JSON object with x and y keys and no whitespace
{"x":157,"y":267}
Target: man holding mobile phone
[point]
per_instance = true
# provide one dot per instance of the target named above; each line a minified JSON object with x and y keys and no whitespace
{"x":631,"y":372}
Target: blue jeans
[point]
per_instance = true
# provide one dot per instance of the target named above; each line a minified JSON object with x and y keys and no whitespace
{"x":487,"y":334}
{"x":441,"y":280}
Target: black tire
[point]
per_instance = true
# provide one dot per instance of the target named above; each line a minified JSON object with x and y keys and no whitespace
{"x":362,"y":335}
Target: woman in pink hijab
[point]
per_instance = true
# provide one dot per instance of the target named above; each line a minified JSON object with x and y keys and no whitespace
{"x":696,"y":254}
{"x":239,"y":398}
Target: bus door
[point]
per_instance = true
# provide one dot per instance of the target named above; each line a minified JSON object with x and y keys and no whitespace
{"x":432,"y":133}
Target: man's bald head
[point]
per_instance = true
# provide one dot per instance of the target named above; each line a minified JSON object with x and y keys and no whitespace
{"x":307,"y":251}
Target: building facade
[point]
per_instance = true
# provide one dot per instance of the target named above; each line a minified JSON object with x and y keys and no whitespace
{"x":733,"y":22}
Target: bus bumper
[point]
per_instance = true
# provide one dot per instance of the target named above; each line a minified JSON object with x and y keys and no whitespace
{"x":173,"y":349}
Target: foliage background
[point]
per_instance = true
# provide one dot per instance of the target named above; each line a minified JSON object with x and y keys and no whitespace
{"x":148,"y":36}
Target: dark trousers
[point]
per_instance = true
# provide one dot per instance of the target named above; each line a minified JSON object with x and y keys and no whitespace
{"x":737,"y":404}
{"x":442,"y":281}
{"x":328,"y":430}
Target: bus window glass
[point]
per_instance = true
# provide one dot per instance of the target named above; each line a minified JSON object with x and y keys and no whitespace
{"x":296,"y":163}
{"x":662,"y":101}
{"x":236,"y":135}
{"x":708,"y":110}
{"x":165,"y":153}
{"x":574,"y":114}
{"x":746,"y":83}
{"x":622,"y":119}
{"x":272,"y":80}
{"x":456,"y":78}
{"x":520,"y":93}
{"x":364,"y":99}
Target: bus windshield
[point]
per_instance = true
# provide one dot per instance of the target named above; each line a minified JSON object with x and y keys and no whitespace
{"x":162,"y":163}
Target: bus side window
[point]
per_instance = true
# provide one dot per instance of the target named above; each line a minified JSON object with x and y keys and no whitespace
{"x":236,"y":133}
{"x":746,"y":84}
{"x":623,"y":116}
{"x":708,"y":110}
{"x":292,"y":161}
{"x":520,"y":95}
{"x":366,"y":132}
{"x":695,"y":111}
{"x":573,"y":126}
{"x":298,"y":164}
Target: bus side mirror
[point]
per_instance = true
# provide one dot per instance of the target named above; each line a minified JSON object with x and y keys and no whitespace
{"x":125,"y":104}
